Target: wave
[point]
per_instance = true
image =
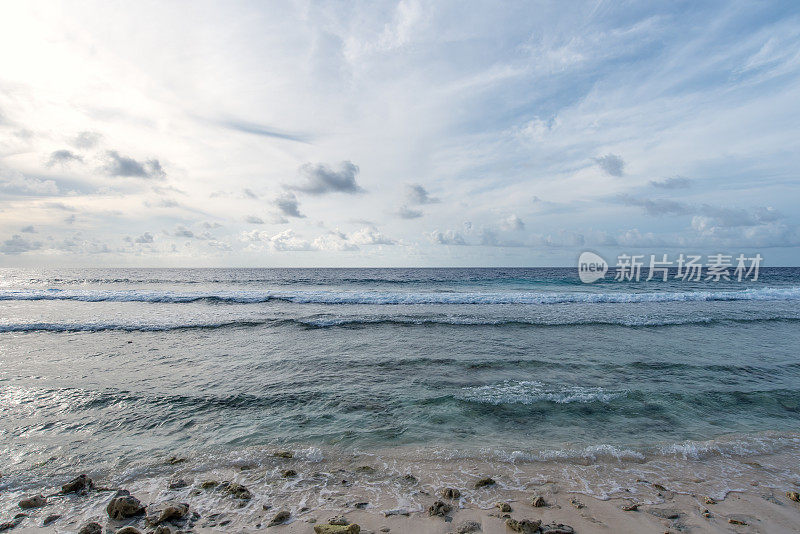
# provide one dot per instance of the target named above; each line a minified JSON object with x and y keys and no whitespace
{"x":531,"y":392}
{"x":357,"y":322}
{"x":398,"y":298}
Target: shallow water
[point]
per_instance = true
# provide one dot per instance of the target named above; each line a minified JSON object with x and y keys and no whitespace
{"x":123,"y":368}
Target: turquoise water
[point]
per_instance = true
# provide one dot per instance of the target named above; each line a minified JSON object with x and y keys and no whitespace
{"x":136,"y":363}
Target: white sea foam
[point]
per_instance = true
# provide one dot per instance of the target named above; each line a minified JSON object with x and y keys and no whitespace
{"x":395,"y":298}
{"x":530,"y":392}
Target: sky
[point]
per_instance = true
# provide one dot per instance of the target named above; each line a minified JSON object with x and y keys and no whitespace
{"x":447,"y":133}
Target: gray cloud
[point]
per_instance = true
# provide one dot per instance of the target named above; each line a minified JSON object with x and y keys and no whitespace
{"x":86,"y":140}
{"x":611,"y":164}
{"x":13,"y":182}
{"x":321,"y":179}
{"x":287,"y":204}
{"x":118,"y":165}
{"x":675,"y":182}
{"x":28,"y":229}
{"x":448,"y":237}
{"x":18,"y":244}
{"x":262,"y":130}
{"x":145,"y":238}
{"x":248,"y":193}
{"x":408,"y":213}
{"x":63,"y":157}
{"x":182,"y":231}
{"x":416,"y":194}
{"x":252,"y":219}
{"x":715,"y":215}
{"x":513,"y":224}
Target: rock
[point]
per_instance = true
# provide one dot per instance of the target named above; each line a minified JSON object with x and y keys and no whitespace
{"x":706,"y":513}
{"x":385,"y":529}
{"x":238,"y":491}
{"x":526,"y":526}
{"x":577,"y":504}
{"x":289,"y":473}
{"x":538,"y":501}
{"x":50,"y":519}
{"x":450,"y":493}
{"x":8,"y":525}
{"x":709,"y":500}
{"x":162,"y":529}
{"x":175,"y":460}
{"x":365,"y":469}
{"x":665,"y":513}
{"x":166,"y":511}
{"x":129,"y":530}
{"x":208,"y":484}
{"x":468,"y":526}
{"x":396,"y":511}
{"x":178,"y":484}
{"x":280,"y":518}
{"x":630,"y":507}
{"x":503,"y":507}
{"x":337,"y":529}
{"x":34,"y":501}
{"x":557,"y":528}
{"x":91,"y":528}
{"x":408,"y":477}
{"x":439,"y":508}
{"x":283,"y":454}
{"x":659,"y":487}
{"x":338,"y":520}
{"x":793,"y":496}
{"x":485,"y":481}
{"x":78,"y":484}
{"x":733,"y":521}
{"x":123,"y":505}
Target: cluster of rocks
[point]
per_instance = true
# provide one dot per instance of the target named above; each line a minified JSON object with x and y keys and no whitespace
{"x":161,"y":517}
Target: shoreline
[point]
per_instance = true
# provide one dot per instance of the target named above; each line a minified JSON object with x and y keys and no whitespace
{"x":396,"y":489}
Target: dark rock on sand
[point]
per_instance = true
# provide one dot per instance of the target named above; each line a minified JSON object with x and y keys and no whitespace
{"x":538,"y":501}
{"x":34,"y":501}
{"x":337,"y":529}
{"x":365,"y":469}
{"x":630,"y":507}
{"x":209,"y":484}
{"x":734,"y":521}
{"x":408,"y":477}
{"x":91,"y":528}
{"x":526,"y":526}
{"x":50,"y":519}
{"x":577,"y":504}
{"x":557,"y":528}
{"x":283,"y":454}
{"x":338,"y":520}
{"x":78,"y":484}
{"x":8,"y":525}
{"x":237,"y":490}
{"x":450,"y":493}
{"x":166,"y":511}
{"x":396,"y":511}
{"x":504,"y":507}
{"x":129,"y":530}
{"x":280,"y":518}
{"x":793,"y":496}
{"x":709,"y":500}
{"x":289,"y":473}
{"x":123,"y":505}
{"x":439,"y":508}
{"x":175,"y":460}
{"x":665,"y":513}
{"x":485,"y":481}
{"x":468,"y":526}
{"x":178,"y":484}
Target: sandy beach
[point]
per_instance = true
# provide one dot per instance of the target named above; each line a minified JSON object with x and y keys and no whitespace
{"x":397,"y":491}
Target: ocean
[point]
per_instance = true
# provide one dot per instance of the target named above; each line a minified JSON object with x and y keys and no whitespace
{"x":112,"y":371}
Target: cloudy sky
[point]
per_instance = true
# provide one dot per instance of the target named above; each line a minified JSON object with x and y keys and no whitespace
{"x":396,"y":133}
